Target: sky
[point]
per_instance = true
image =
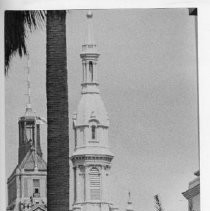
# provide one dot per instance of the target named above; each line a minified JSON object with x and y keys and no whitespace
{"x":147,"y":76}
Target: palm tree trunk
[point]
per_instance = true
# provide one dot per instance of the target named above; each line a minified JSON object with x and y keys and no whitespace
{"x":57,"y":113}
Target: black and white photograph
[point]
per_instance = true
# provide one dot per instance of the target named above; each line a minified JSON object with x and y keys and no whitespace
{"x":102,"y":110}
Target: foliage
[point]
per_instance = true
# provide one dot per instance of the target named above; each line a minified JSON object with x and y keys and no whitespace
{"x":158,"y":205}
{"x":16,"y":25}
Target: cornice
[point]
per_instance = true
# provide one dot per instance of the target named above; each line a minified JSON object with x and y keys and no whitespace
{"x":28,"y":173}
{"x":92,"y":202}
{"x":92,"y":157}
{"x":190,"y":193}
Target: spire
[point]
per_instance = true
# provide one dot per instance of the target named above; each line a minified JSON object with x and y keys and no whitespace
{"x":129,"y":205}
{"x":89,"y":46}
{"x":28,"y":104}
{"x":28,"y":81}
{"x":90,"y":38}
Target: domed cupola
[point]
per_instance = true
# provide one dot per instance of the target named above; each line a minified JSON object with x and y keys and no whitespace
{"x":91,"y":108}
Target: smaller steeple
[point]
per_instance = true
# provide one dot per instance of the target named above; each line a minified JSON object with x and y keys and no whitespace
{"x":29,"y":126}
{"x":129,"y":204}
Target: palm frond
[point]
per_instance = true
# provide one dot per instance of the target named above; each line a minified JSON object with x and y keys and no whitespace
{"x":158,"y":205}
{"x":16,"y":24}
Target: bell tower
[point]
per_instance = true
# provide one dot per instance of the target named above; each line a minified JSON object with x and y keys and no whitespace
{"x":29,"y":127}
{"x":92,"y":157}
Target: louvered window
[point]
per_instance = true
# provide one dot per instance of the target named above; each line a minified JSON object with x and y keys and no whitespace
{"x":95,"y":184}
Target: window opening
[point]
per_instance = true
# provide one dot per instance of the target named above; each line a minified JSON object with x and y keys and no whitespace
{"x":93,"y":128}
{"x":91,"y":70}
{"x":36,"y":188}
{"x":29,"y":131}
{"x":95,"y":184}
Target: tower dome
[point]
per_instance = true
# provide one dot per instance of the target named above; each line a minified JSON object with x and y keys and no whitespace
{"x":91,"y":108}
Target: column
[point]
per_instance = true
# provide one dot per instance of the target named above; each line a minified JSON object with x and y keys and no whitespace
{"x":95,"y":76}
{"x":78,"y":186}
{"x":85,"y":65}
{"x":88,"y":72}
{"x":87,"y":189}
{"x":83,"y":71}
{"x":75,"y":186}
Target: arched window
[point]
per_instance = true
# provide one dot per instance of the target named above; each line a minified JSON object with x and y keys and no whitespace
{"x":95,"y":184}
{"x":29,"y":131}
{"x":91,"y":70}
{"x":93,"y":131}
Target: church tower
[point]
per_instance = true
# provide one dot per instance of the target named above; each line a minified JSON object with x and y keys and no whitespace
{"x":27,"y":183}
{"x":29,"y":127}
{"x":92,"y":157}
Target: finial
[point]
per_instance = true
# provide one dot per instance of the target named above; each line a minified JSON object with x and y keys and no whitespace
{"x":89,"y":14}
{"x":130,"y":204}
{"x":90,"y":37}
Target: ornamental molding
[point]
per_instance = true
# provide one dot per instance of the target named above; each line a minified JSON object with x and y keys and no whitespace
{"x":87,"y":125}
{"x":92,"y":202}
{"x":90,"y":83}
{"x":28,"y":173}
{"x":86,"y":56}
{"x":92,"y":157}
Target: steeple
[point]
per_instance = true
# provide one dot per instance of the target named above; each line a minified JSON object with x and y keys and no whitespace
{"x":29,"y":127}
{"x":28,"y":83}
{"x":89,"y":58}
{"x":91,"y":157}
